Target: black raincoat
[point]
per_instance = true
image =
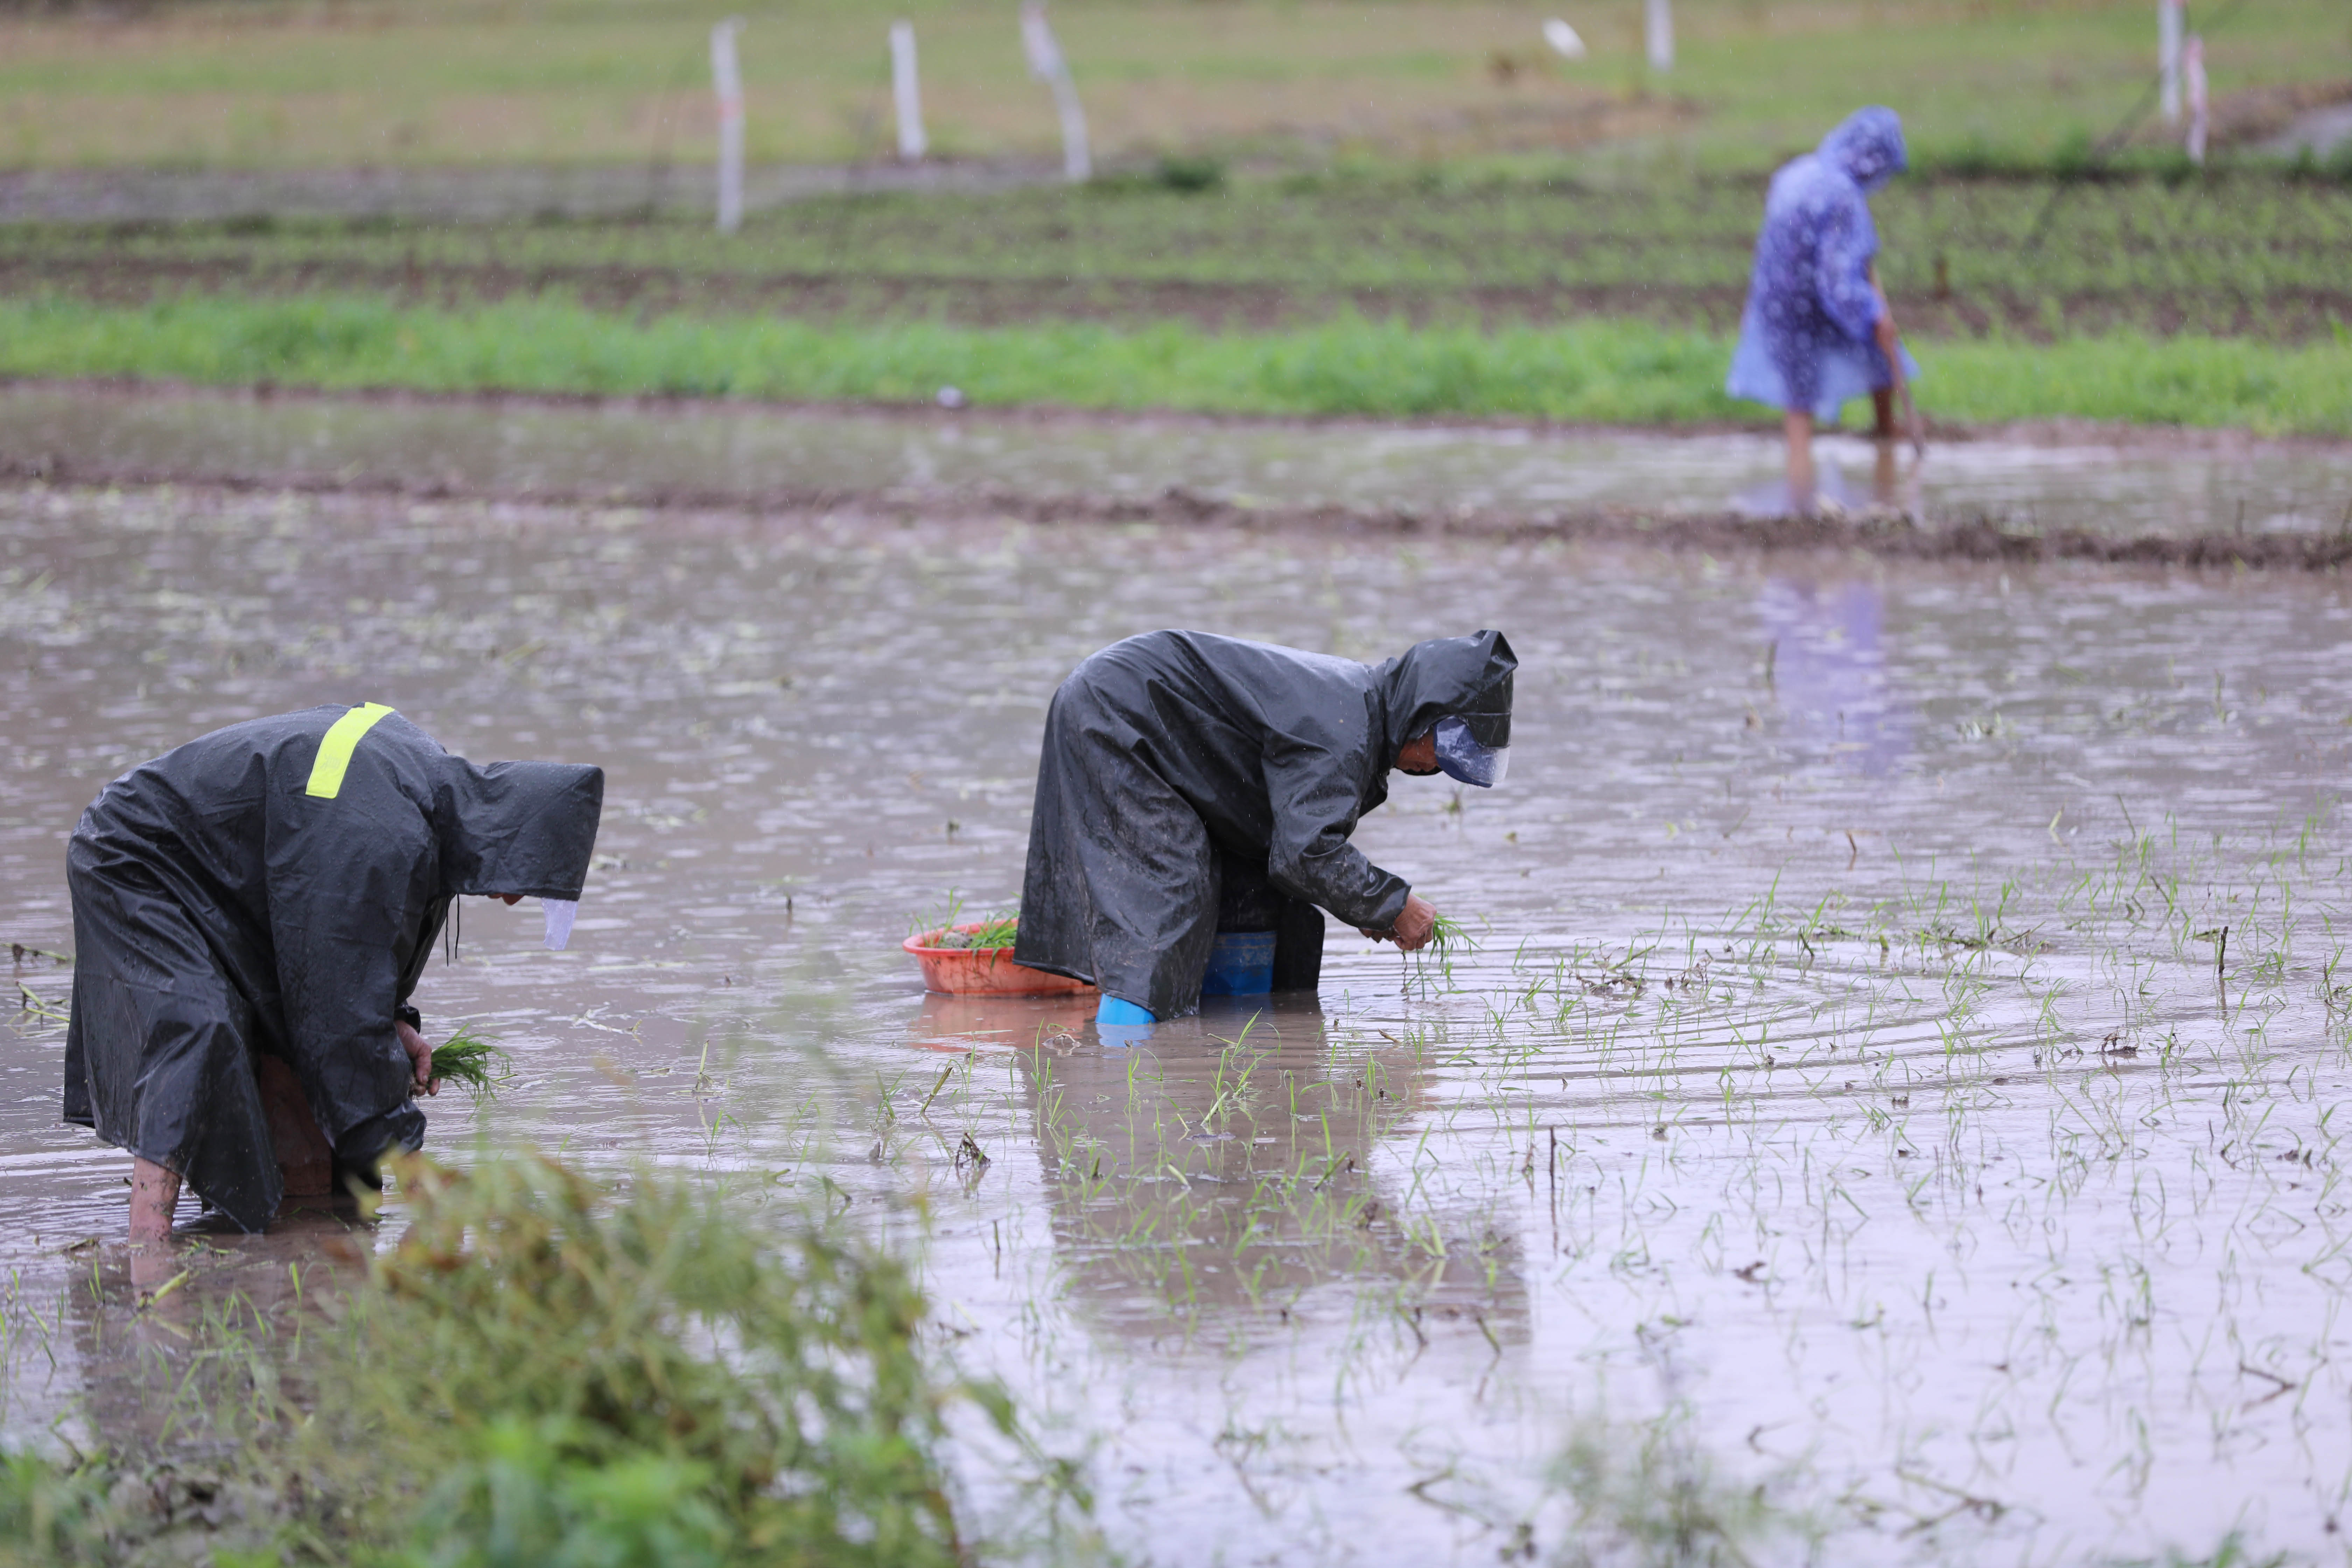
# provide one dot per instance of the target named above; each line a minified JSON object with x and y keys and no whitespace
{"x":1190,"y":783}
{"x":277,"y":886}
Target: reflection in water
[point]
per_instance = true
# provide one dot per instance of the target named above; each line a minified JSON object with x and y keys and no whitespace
{"x":1242,"y":1158}
{"x":1829,"y":670}
{"x":185,"y":1351}
{"x":1897,"y":485}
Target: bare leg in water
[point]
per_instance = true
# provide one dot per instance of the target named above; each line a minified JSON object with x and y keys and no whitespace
{"x":305,"y":1160}
{"x":1883,"y":470}
{"x":154,"y":1194}
{"x":304,"y":1157}
{"x":1797,"y":426}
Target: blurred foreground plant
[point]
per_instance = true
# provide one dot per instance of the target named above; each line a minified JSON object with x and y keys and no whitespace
{"x":573,"y":1379}
{"x":549,"y":1371}
{"x":48,"y":1514}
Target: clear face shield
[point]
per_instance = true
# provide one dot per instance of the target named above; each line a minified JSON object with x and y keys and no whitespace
{"x":1464,"y":760}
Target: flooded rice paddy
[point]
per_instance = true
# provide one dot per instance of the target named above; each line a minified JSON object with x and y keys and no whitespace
{"x":1889,"y":1114}
{"x":2103,"y":484}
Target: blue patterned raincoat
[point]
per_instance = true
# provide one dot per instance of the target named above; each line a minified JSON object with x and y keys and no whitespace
{"x":1805,"y":342}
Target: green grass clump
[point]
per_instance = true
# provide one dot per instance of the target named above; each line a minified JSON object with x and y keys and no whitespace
{"x":473,"y":1063}
{"x":1614,"y":372}
{"x":579,"y":1378}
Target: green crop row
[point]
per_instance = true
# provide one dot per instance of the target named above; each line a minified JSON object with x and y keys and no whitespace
{"x":1609,"y":371}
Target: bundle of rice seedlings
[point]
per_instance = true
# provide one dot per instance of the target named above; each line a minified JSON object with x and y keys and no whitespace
{"x":996,"y":930}
{"x":471,"y":1062}
{"x":992,"y":931}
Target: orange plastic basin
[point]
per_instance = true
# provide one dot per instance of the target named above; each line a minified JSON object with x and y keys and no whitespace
{"x":982,"y":970}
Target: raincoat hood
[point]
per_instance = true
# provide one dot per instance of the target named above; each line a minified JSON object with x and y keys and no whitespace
{"x":1867,"y":147}
{"x":1466,"y":677}
{"x":517,"y":828}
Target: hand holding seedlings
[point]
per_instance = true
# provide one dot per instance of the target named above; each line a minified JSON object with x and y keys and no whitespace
{"x":1413,"y":927}
{"x":420,"y":1058}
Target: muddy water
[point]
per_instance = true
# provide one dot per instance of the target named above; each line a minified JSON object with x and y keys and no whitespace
{"x":1842,"y":1099}
{"x":2189,"y":487}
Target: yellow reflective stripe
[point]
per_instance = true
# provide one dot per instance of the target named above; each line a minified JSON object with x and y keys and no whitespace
{"x":335,"y":751}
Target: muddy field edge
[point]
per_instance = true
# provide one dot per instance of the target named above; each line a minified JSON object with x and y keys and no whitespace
{"x":1969,"y":538}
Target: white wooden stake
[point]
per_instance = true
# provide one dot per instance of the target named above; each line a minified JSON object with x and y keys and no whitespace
{"x":1046,"y":63}
{"x":906,"y":92}
{"x":2193,"y":67}
{"x":727,"y":80}
{"x":1658,"y":28}
{"x":2167,"y":58}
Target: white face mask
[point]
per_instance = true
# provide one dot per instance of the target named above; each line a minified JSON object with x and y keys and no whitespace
{"x":560,"y":913}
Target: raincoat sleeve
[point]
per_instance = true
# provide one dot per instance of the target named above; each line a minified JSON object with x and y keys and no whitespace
{"x":349,"y":895}
{"x":1848,"y":241}
{"x":1316,"y":802}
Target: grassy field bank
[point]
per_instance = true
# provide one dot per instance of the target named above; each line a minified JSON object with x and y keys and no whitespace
{"x":1610,"y":371}
{"x":349,"y":82}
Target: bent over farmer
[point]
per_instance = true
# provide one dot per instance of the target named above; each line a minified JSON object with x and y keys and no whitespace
{"x":1196,"y":796}
{"x":1817,"y":329}
{"x":251,"y":911}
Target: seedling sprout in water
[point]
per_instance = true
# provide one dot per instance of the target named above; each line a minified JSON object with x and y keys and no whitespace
{"x":472,"y":1063}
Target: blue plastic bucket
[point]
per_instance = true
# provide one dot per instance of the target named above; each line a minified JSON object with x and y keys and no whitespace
{"x":1241,"y":964}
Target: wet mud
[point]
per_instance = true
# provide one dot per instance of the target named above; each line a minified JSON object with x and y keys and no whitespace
{"x":1895,"y":1081}
{"x":2036,"y":494}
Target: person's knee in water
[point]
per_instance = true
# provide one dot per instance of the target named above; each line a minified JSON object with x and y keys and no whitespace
{"x":1196,"y":795}
{"x":241,"y":1019}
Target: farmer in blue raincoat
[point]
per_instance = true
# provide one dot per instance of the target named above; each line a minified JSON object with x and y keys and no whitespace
{"x":1817,"y":329}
